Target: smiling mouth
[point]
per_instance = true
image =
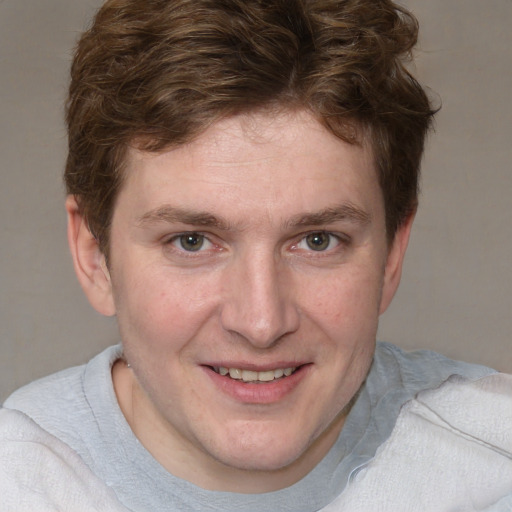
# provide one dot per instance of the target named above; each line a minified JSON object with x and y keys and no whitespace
{"x":252,"y":376}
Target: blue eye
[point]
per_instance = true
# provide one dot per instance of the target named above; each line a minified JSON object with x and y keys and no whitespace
{"x":319,"y":241}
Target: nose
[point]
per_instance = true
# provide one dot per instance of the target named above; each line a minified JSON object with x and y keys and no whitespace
{"x":259,"y":304}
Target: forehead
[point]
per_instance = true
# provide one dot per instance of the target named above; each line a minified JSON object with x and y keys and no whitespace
{"x":280,"y":165}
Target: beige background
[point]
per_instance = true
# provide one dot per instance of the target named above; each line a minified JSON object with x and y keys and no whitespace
{"x":456,"y":294}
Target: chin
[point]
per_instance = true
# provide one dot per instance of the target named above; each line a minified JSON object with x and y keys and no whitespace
{"x":261,"y":451}
{"x":260,"y":462}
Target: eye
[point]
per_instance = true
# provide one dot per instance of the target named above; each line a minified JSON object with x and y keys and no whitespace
{"x":190,"y":242}
{"x":319,"y":241}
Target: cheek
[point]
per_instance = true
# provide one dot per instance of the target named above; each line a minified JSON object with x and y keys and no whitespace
{"x":345,"y":299}
{"x":156,"y":307}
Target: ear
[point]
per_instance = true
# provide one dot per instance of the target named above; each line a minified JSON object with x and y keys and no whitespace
{"x":394,"y":263}
{"x":89,"y":262}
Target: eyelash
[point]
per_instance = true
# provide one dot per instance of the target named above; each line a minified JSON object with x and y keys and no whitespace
{"x":340,"y":240}
{"x":312,"y":238}
{"x":177,"y":239}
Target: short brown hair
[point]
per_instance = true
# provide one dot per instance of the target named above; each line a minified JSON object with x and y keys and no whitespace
{"x":157,"y":73}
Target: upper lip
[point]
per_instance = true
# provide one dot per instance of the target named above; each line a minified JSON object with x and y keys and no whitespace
{"x":255,"y":367}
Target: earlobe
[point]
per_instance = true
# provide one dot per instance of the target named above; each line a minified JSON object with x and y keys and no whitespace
{"x":88,"y":261}
{"x":394,"y":263}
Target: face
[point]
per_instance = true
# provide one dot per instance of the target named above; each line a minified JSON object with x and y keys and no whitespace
{"x":248,"y":270}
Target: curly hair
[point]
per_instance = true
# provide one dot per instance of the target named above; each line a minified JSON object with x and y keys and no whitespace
{"x":157,"y":73}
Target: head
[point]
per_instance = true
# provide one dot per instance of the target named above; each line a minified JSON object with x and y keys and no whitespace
{"x":155,"y":75}
{"x":242,"y":179}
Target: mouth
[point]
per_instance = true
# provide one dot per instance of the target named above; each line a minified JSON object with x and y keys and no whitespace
{"x":254,"y":376}
{"x":262,"y":385}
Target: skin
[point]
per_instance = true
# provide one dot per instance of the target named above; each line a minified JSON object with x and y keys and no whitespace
{"x":290,"y":268}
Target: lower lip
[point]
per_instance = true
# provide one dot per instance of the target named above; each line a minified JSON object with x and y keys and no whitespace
{"x":258,"y":392}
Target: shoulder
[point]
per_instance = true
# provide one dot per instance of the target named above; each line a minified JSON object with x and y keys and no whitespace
{"x":53,"y":399}
{"x":40,"y":472}
{"x":423,"y":369}
{"x":63,"y":404}
{"x":424,"y":364}
{"x":61,"y":387}
{"x":450,"y":449}
{"x":39,"y":393}
{"x":478,"y":411}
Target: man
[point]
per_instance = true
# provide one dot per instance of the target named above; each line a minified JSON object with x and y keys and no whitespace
{"x":242,"y":181}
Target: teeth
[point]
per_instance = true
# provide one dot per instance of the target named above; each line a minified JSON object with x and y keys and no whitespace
{"x":252,"y":376}
{"x":266,"y":376}
{"x":248,"y":376}
{"x":234,"y":373}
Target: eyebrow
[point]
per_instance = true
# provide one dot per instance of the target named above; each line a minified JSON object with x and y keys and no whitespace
{"x":345,"y":212}
{"x":171,"y":214}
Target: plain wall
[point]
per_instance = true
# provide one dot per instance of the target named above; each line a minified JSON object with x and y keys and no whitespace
{"x":456,"y":292}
